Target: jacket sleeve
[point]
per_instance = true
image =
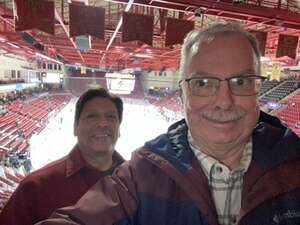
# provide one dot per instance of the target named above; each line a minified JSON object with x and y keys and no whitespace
{"x":112,"y":200}
{"x":21,"y":206}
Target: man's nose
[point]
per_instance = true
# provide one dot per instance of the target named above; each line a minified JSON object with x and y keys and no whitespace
{"x":223,"y":97}
{"x":102,"y":121}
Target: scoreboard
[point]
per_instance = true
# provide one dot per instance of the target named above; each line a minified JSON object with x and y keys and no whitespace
{"x":119,"y":83}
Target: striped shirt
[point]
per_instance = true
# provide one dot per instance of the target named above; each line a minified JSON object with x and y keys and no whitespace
{"x":225,"y":184}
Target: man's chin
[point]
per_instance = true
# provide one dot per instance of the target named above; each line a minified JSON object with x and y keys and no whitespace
{"x":102,"y":152}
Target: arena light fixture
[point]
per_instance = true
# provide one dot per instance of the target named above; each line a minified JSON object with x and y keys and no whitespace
{"x":12,"y":45}
{"x":47,"y":58}
{"x":143,"y":56}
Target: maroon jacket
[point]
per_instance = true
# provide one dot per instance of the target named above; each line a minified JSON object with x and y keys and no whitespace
{"x":163,"y":184}
{"x":58,"y":184}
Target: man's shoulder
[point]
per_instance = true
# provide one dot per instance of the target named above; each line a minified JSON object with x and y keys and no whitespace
{"x":51,"y":170}
{"x":274,"y":146}
{"x":266,"y":132}
{"x":127,"y":169}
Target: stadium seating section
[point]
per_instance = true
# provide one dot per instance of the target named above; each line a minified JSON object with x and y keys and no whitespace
{"x":290,"y":113}
{"x":22,"y":120}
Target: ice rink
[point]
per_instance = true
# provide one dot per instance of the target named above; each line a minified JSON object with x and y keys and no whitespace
{"x":141,"y":122}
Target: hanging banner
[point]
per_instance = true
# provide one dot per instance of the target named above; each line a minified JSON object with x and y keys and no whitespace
{"x":82,"y":70}
{"x":287,"y":46}
{"x":177,"y":30}
{"x":276,"y":72}
{"x":34,"y":14}
{"x":264,"y":70}
{"x":137,"y":27}
{"x":86,"y":20}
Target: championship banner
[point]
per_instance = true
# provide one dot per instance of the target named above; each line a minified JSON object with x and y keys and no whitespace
{"x":86,"y":20}
{"x":287,"y":46}
{"x":31,"y":14}
{"x":82,"y":70}
{"x":137,"y":27}
{"x":276,"y":72}
{"x":177,"y":30}
{"x":264,"y":70}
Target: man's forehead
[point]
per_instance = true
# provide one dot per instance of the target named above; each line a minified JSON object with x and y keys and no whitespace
{"x":218,"y":40}
{"x":99,"y":102}
{"x":230,"y":55}
{"x":201,"y":73}
{"x":218,"y":43}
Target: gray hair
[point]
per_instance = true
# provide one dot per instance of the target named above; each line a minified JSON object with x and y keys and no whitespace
{"x":196,"y":37}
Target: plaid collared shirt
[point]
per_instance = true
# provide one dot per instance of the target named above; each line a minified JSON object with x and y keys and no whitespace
{"x":225,"y":184}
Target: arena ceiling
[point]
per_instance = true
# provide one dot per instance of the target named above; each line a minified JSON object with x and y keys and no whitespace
{"x":274,"y":16}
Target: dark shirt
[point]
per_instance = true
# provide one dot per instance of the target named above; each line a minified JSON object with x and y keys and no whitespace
{"x":58,"y":184}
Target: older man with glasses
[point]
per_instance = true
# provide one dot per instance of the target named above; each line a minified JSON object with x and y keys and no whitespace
{"x":226,"y":163}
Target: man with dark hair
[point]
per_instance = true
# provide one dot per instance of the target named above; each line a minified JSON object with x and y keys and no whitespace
{"x":61,"y":183}
{"x":225,"y":163}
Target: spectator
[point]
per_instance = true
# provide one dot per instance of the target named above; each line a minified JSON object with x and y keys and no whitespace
{"x":97,"y":119}
{"x":226,"y":163}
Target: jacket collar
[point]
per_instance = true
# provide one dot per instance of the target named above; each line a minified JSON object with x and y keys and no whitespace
{"x":173,"y":146}
{"x":75,"y":162}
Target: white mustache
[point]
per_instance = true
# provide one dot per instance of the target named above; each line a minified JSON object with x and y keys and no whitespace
{"x":223,"y":116}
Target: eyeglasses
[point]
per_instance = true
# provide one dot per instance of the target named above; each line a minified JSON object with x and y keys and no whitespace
{"x":245,"y":85}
